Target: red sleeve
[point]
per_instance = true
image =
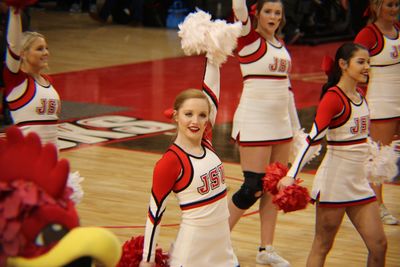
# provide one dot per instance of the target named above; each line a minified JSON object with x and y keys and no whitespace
{"x":247,"y":39}
{"x":12,"y":80}
{"x":330,"y":105}
{"x":366,"y":37}
{"x":165,"y":174}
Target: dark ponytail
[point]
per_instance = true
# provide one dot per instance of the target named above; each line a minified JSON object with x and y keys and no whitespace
{"x":345,"y":52}
{"x":333,"y":77}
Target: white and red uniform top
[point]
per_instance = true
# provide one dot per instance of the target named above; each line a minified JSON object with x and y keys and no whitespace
{"x":266,"y":113}
{"x":258,"y":58}
{"x":345,"y":124}
{"x":260,"y":61}
{"x":383,"y":92}
{"x":197,"y":181}
{"x":33,"y":107}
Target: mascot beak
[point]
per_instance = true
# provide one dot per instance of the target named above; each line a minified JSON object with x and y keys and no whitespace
{"x":96,"y":243}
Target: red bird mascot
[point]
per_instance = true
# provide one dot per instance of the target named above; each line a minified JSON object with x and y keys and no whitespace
{"x":39,"y":225}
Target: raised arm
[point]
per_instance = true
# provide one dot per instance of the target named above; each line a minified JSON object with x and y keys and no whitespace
{"x":241,"y":14}
{"x":14,"y":35}
{"x":211,"y":87}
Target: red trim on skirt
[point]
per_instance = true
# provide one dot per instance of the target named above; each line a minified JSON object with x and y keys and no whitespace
{"x":344,"y":204}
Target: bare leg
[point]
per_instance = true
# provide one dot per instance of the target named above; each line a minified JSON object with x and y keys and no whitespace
{"x":367,"y":221}
{"x":327,"y":224}
{"x":268,"y":218}
{"x":268,"y":211}
{"x":251,"y":159}
{"x":234,"y":214}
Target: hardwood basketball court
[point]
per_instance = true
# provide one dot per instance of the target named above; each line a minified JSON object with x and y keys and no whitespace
{"x":117,"y":70}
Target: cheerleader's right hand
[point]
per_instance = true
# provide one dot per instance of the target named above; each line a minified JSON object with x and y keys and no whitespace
{"x":284,"y":182}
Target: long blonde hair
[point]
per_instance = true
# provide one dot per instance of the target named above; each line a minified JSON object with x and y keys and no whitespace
{"x":375,"y":7}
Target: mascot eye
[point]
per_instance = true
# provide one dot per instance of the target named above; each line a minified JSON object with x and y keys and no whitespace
{"x":50,"y":234}
{"x":39,"y":240}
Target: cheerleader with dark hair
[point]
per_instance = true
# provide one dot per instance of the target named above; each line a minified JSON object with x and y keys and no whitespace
{"x":340,"y":185}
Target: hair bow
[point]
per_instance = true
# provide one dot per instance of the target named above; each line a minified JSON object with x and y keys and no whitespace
{"x":327,"y":64}
{"x":367,"y":12}
{"x":169,"y":113}
{"x":253,"y":10}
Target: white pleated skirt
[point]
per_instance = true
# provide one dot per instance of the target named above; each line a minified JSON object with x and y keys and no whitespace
{"x":200,"y":246}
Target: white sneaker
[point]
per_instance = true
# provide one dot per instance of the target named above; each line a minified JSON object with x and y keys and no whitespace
{"x":386,"y":217}
{"x":269,"y":256}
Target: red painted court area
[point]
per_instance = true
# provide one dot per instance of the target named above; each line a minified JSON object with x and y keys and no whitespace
{"x":148,"y":88}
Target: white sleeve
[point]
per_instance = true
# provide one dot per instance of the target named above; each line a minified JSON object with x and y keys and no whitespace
{"x":241,"y":14}
{"x":309,"y":148}
{"x":152,"y":229}
{"x":211,"y":87}
{"x":14,"y":35}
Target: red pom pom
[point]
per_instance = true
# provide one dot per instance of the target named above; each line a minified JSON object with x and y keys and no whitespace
{"x":292,"y":198}
{"x":161,"y":258}
{"x":20,"y":4}
{"x":273,"y":174}
{"x":132,"y":251}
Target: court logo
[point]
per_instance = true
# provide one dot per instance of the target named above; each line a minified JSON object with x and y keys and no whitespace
{"x":103,"y":129}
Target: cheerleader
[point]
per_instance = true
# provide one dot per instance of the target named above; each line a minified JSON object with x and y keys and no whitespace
{"x":382,"y":38}
{"x":31,"y":99}
{"x":33,"y":102}
{"x":190,"y":168}
{"x":265,"y":117}
{"x":194,"y":173}
{"x":340,"y":184}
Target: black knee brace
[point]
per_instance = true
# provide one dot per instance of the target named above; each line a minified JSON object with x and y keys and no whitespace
{"x":245,"y":197}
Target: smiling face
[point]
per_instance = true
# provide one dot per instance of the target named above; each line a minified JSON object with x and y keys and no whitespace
{"x":357,"y":67}
{"x":36,"y":55}
{"x":192,"y":118}
{"x":270,"y":17}
{"x":389,"y":10}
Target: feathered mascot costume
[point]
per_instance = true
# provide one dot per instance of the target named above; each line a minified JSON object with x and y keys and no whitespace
{"x":39,"y":225}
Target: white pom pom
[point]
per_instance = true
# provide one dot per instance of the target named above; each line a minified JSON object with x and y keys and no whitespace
{"x":193,"y":32}
{"x":74,"y":182}
{"x":299,"y":140}
{"x":388,"y":162}
{"x":381,"y":164}
{"x":217,"y":39}
{"x":222,"y":40}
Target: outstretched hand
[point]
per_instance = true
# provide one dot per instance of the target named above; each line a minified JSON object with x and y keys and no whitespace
{"x":285,"y":182}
